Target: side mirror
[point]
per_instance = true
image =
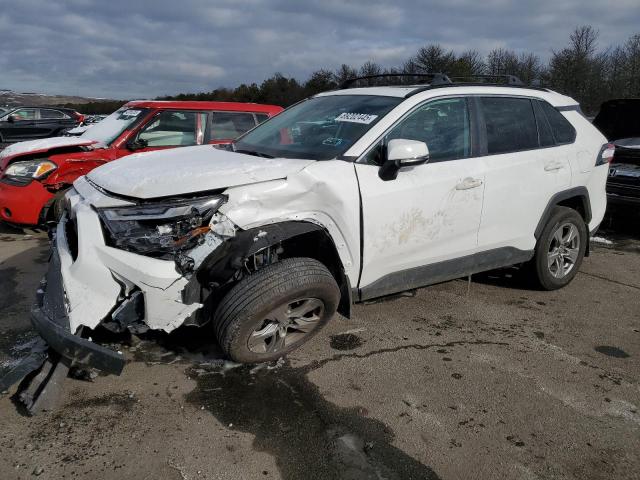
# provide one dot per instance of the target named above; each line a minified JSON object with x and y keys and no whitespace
{"x":402,"y":153}
{"x":12,"y":118}
{"x":134,"y":145}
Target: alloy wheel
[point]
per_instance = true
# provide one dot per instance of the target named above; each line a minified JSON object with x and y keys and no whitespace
{"x":286,"y":324}
{"x":564,"y":250}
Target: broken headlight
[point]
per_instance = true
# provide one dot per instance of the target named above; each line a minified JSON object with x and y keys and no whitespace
{"x":162,"y":228}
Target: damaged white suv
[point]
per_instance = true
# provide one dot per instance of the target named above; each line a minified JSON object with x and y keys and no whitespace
{"x":350,"y":195}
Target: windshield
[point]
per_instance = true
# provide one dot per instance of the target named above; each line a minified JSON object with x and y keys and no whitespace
{"x":320,"y":128}
{"x":107,"y":130}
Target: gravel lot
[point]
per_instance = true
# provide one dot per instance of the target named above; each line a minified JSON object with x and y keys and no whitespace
{"x":487,"y":380}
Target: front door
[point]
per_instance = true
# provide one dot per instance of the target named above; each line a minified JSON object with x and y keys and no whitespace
{"x":430,"y":214}
{"x":22,"y":127}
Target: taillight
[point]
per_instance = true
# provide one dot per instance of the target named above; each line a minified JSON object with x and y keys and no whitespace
{"x":606,"y":154}
{"x":79,"y":117}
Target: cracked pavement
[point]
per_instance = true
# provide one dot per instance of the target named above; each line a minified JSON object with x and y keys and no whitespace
{"x":460,"y":381}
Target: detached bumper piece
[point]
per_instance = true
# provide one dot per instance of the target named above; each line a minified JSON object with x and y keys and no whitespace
{"x":48,"y":364}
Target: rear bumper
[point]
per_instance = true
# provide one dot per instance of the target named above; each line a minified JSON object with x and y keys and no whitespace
{"x":50,"y":319}
{"x":614,"y":199}
{"x":22,"y":205}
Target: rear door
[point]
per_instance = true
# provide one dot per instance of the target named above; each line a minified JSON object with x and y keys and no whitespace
{"x":430,"y":213}
{"x":524,"y":170}
{"x":50,"y":122}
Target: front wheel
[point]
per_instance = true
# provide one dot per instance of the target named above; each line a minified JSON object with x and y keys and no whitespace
{"x":560,"y":249}
{"x":275,"y":310}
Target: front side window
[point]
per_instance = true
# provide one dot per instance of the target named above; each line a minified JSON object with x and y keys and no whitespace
{"x":230,"y":125}
{"x":320,"y":128}
{"x":511,"y":125}
{"x":112,"y":127}
{"x":24,"y":114}
{"x":174,"y":129}
{"x":442,"y":124}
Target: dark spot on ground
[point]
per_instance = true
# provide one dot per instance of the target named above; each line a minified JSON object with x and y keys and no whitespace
{"x":345,"y":341}
{"x":513,"y":439}
{"x":539,"y":334}
{"x":611,"y":351}
{"x":446,"y":359}
{"x":123,"y":401}
{"x":457,"y":376}
{"x":308,"y":436}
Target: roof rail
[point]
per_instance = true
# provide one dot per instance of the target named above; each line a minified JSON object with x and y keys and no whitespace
{"x":509,"y":79}
{"x":436,"y":78}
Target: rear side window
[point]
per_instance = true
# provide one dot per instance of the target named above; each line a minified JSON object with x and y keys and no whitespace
{"x":230,"y":125}
{"x":563,"y":131}
{"x":544,"y":129}
{"x":261,"y":117}
{"x":511,"y":125}
{"x":46,"y":113}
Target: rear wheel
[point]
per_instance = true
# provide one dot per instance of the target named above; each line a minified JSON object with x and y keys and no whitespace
{"x":275,"y":310}
{"x":560,"y":249}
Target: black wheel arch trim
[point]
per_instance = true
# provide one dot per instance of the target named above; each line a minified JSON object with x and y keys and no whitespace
{"x":228,"y":258}
{"x":580,"y":193}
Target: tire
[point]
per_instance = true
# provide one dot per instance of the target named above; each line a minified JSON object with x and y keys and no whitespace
{"x":264,"y":316}
{"x":558,"y":255}
{"x":57,"y":206}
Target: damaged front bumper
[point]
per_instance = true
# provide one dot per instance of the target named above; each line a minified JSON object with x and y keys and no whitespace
{"x":49,"y":318}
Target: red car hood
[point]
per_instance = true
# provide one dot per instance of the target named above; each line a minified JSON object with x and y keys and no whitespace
{"x":40,"y":146}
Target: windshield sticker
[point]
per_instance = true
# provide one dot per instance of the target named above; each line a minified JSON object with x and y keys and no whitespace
{"x":130,"y":113}
{"x":332,"y":141}
{"x":356,"y":118}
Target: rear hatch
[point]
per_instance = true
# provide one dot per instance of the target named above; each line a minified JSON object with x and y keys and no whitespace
{"x":619,"y":121}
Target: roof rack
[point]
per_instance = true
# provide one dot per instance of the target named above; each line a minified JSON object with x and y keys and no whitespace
{"x":509,"y":79}
{"x":436,"y":78}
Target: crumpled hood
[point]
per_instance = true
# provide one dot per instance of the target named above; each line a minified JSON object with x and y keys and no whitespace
{"x":43,"y":145}
{"x":186,"y":170}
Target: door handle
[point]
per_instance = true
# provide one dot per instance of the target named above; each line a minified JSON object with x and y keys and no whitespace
{"x":469,"y":183}
{"x":551,"y":166}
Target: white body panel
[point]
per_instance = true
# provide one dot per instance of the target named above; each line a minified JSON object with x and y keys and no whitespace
{"x":194,"y":169}
{"x":325,"y":193}
{"x":424,"y":216}
{"x":518,"y":187}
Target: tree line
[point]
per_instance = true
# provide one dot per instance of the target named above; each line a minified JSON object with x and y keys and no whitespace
{"x":581,"y":70}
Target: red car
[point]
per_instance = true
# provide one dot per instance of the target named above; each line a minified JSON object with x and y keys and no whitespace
{"x":34,"y":175}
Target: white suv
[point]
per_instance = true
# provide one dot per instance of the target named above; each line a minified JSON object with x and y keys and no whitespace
{"x":350,"y":195}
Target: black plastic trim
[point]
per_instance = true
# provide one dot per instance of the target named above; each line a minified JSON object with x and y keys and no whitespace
{"x":580,"y":192}
{"x":443,"y":271}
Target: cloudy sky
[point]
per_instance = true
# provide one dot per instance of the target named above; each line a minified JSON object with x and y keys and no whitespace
{"x":145,"y":48}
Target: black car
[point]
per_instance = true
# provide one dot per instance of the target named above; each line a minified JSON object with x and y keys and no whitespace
{"x":29,"y":123}
{"x":619,"y":121}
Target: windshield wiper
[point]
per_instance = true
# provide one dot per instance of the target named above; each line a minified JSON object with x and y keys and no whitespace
{"x":255,"y":153}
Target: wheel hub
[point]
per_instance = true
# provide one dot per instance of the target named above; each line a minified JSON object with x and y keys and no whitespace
{"x":286,"y":324}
